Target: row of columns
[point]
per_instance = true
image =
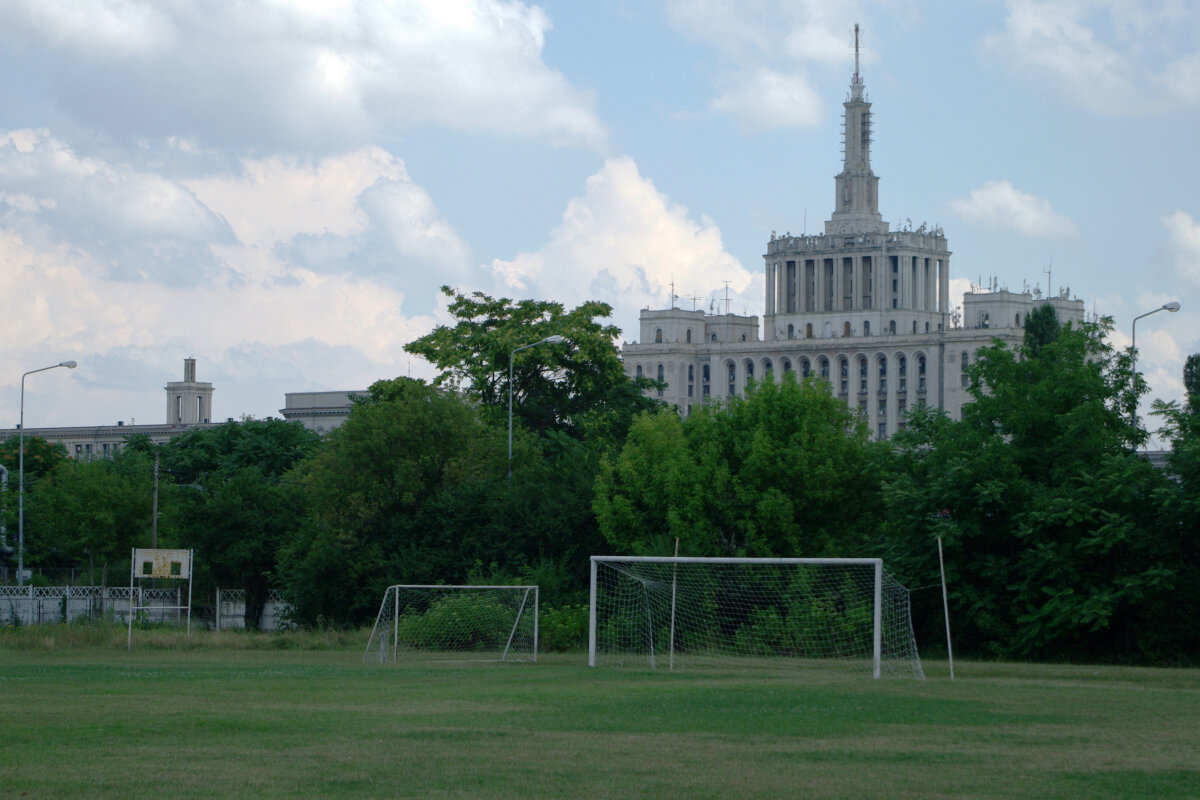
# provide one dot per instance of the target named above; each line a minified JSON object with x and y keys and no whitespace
{"x":923,"y":283}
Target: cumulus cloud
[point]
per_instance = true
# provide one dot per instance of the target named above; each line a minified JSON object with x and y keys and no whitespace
{"x":768,"y":99}
{"x":765,"y":48}
{"x":312,"y":74}
{"x":998,"y":204}
{"x":624,"y":242}
{"x":1112,"y":57}
{"x":1183,"y":245}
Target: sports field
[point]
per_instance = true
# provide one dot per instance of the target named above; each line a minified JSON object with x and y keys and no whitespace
{"x":238,"y":715}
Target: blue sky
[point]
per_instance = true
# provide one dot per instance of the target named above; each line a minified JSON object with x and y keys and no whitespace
{"x":278,"y":188}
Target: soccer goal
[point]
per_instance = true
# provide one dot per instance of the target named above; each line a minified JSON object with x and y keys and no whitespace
{"x":672,"y":612}
{"x":455,"y":623}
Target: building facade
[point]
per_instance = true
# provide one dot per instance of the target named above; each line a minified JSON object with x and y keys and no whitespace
{"x":862,"y":306}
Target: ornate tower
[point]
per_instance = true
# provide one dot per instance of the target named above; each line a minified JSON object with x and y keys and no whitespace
{"x":856,"y":202}
{"x":189,"y":401}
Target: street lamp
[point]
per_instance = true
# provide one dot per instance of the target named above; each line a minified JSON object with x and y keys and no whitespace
{"x":21,"y":474}
{"x":1172,"y":306}
{"x":555,"y":339}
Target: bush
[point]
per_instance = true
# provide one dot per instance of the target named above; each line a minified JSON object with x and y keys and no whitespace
{"x":562,"y":629}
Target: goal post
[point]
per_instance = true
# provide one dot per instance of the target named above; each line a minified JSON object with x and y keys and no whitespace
{"x":437,"y":622}
{"x":690,"y":611}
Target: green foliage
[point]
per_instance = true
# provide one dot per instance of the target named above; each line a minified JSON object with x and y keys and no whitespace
{"x":766,"y":474}
{"x":577,"y":386}
{"x":233,"y":503}
{"x":563,"y":629}
{"x":1055,"y":543}
{"x":459,"y":623}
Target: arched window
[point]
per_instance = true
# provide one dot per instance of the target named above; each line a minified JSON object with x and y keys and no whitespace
{"x":882,"y":364}
{"x":964,"y":369}
{"x":843,"y":375}
{"x":691,"y":380}
{"x":748,"y":365}
{"x":805,"y":368}
{"x":714,"y":337}
{"x":914,"y":326}
{"x":824,"y":362}
{"x":828,"y":330}
{"x":660,"y":377}
{"x":866,"y":328}
{"x":1018,"y":320}
{"x":689,"y":336}
{"x":791,"y":331}
{"x":921,"y":372}
{"x":704,"y":381}
{"x":732,"y":379}
{"x":785,"y":364}
{"x":902,"y":369}
{"x":862,"y":375}
{"x":892,"y":327}
{"x":658,"y":335}
{"x":639,"y":370}
{"x":768,"y":368}
{"x":808,"y":331}
{"x":846,"y":329}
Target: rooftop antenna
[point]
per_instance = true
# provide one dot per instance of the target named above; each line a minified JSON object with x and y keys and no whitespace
{"x":726,"y":297}
{"x":857,"y":79}
{"x":672,"y":291}
{"x":1049,"y":282}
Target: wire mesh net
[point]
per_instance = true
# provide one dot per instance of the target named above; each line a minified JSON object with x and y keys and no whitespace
{"x":674,"y":613}
{"x":455,"y":623}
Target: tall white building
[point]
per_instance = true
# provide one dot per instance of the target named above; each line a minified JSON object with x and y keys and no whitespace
{"x":863,"y":306}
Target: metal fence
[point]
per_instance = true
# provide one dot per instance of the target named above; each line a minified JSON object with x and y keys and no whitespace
{"x":47,"y":605}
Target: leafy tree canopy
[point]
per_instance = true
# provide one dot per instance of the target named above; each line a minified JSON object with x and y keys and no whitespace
{"x":578,"y":385}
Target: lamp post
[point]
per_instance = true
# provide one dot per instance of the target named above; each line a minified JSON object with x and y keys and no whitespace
{"x":1172,"y":306}
{"x":21,"y":474}
{"x":555,"y":339}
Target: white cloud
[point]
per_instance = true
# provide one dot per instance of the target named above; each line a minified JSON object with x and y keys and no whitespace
{"x":998,"y":204}
{"x":303,"y":73}
{"x":768,"y":99}
{"x":1109,"y":56}
{"x":1183,"y":245}
{"x":765,"y":48}
{"x":624,"y":242}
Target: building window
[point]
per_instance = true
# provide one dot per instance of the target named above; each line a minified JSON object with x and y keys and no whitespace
{"x":844,"y":375}
{"x":749,"y":367}
{"x":914,"y":326}
{"x":732,"y":379}
{"x":903,"y":374}
{"x":882,"y":374}
{"x":705,"y":374}
{"x":862,"y":375}
{"x":964,"y":370}
{"x":691,"y":380}
{"x":639,"y":371}
{"x":791,"y":331}
{"x":866,"y":328}
{"x":808,"y":331}
{"x":882,"y":429}
{"x":1018,"y":320}
{"x":660,"y":378}
{"x":658,"y":335}
{"x":768,"y":368}
{"x":824,"y":362}
{"x":921,"y":372}
{"x":785,"y":364}
{"x":892,"y":327}
{"x":689,"y":336}
{"x":846,"y":330}
{"x":714,"y":337}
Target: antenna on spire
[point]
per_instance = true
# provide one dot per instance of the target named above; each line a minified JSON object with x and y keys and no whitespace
{"x":857,"y":80}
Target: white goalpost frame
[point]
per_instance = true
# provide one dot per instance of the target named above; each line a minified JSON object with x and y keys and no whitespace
{"x":877,"y":615}
{"x":525,"y":590}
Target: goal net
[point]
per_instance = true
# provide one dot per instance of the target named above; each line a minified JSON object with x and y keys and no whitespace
{"x":455,"y":623}
{"x":673,"y":612}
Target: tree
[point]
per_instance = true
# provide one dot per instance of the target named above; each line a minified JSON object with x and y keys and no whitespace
{"x":232,"y":501}
{"x":578,"y":386}
{"x":93,"y":512}
{"x":1055,"y":547}
{"x":768,"y":474}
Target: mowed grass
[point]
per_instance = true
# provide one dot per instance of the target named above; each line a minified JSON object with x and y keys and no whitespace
{"x":251,"y":716}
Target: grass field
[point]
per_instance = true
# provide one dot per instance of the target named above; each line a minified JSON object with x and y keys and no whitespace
{"x":241,"y":715}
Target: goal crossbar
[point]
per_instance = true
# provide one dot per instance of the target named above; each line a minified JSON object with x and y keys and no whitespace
{"x":666,"y":583}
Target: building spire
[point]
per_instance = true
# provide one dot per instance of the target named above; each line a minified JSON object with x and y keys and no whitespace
{"x":856,"y":82}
